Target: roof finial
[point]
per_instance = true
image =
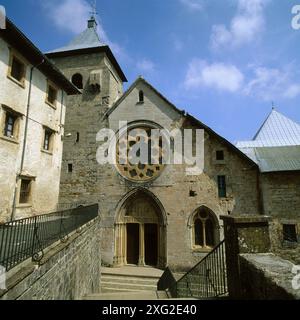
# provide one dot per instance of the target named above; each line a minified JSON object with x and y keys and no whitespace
{"x":273,"y":105}
{"x":92,"y":23}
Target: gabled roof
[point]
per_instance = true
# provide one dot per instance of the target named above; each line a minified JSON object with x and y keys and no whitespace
{"x":26,"y":48}
{"x":183,"y":113}
{"x":276,"y":145}
{"x":127,"y":92}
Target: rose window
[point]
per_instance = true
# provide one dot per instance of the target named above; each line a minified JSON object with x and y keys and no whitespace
{"x":139,"y":144}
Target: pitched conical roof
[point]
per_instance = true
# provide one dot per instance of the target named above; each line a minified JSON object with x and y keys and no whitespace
{"x":89,"y":38}
{"x":279,"y":129}
{"x":276,"y":145}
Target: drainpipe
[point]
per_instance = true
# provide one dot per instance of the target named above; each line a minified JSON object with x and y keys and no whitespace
{"x":61,"y":111}
{"x":25,"y":139}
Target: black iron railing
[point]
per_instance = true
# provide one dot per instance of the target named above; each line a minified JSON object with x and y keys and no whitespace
{"x":208,"y":279}
{"x":29,"y":237}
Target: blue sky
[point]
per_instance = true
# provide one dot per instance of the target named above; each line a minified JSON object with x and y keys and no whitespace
{"x":222,"y":61}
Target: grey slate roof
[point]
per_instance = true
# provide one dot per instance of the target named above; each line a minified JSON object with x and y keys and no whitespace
{"x":89,"y":38}
{"x":276,"y":145}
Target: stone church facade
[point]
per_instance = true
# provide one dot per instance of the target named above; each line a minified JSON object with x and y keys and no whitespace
{"x":172,"y":219}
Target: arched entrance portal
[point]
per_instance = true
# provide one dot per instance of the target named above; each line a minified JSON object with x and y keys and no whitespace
{"x":140,"y":231}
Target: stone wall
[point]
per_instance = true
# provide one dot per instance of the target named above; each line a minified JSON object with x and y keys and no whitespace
{"x":68,"y":271}
{"x":281,"y":194}
{"x":267,"y":277}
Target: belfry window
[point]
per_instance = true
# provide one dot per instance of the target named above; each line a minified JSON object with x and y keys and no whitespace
{"x":203,"y":229}
{"x":141,"y":96}
{"x":77,"y":80}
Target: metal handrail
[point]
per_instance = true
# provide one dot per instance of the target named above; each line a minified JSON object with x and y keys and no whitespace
{"x":210,"y":273}
{"x":29,"y":237}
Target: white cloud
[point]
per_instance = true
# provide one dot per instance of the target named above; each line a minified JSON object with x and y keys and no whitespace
{"x":69,"y":15}
{"x":270,"y":84}
{"x":145,"y":65}
{"x":72,"y":16}
{"x":194,"y":5}
{"x":245,"y":27}
{"x":219,"y":76}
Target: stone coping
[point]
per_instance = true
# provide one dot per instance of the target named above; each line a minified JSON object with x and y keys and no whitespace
{"x":246,"y":219}
{"x":275,"y":269}
{"x":24,"y":269}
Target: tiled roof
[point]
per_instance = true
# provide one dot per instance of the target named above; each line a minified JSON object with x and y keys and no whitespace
{"x":276,"y":145}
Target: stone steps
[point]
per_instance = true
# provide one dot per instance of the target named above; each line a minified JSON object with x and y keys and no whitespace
{"x":129,"y":279}
{"x":137,"y":295}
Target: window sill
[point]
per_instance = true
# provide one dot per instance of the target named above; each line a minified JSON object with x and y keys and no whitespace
{"x":19,"y":83}
{"x":11,"y":140}
{"x":47,"y":152}
{"x":24,"y":205}
{"x":53,"y":106}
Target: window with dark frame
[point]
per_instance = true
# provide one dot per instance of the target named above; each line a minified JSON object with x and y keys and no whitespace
{"x":17,"y":69}
{"x":219,"y":155}
{"x":47,"y":140}
{"x":290,"y":233}
{"x":52,"y":95}
{"x":25,"y":190}
{"x":222,"y":186}
{"x":9,"y":126}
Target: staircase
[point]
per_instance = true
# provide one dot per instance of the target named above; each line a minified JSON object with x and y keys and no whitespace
{"x":130,"y":283}
{"x":129,"y":279}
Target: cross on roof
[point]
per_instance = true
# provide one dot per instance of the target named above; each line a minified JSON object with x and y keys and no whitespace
{"x":94,"y":12}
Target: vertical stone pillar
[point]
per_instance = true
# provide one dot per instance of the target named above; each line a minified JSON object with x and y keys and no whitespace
{"x":142,"y":245}
{"x":243,"y":234}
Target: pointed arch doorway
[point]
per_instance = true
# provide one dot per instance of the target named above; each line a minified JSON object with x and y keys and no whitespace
{"x":140,"y":231}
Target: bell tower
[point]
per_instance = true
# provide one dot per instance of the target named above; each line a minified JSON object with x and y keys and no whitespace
{"x":91,"y":66}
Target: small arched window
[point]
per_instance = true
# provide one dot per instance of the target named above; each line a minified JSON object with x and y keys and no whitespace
{"x":77,"y":80}
{"x":204,"y":229}
{"x":141,"y":96}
